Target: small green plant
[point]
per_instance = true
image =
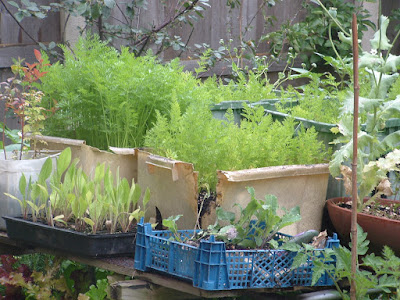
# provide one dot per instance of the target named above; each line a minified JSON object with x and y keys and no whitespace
{"x":257,"y":224}
{"x":171,"y":225}
{"x":376,"y":272}
{"x":22,"y":98}
{"x":34,"y":196}
{"x":104,"y":202}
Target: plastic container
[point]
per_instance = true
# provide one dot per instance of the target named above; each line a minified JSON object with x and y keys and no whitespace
{"x":211,"y":267}
{"x":10,"y":173}
{"x":219,"y":110}
{"x":68,"y":241}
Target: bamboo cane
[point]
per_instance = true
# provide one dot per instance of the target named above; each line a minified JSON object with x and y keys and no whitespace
{"x":354,"y":257}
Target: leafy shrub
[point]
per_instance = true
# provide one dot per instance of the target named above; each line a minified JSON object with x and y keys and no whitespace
{"x":109,"y":98}
{"x":210,"y":144}
{"x":258,"y":223}
{"x":312,"y":36}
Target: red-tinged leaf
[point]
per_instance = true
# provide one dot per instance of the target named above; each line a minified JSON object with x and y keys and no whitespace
{"x":30,"y":66}
{"x":41,"y":74}
{"x":36,"y":73}
{"x":38,"y":55}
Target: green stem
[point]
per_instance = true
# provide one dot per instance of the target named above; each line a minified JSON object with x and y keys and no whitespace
{"x":333,"y":45}
{"x":334,"y":19}
{"x":105,"y":119}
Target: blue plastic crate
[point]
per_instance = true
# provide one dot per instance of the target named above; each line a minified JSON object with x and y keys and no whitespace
{"x":211,"y":267}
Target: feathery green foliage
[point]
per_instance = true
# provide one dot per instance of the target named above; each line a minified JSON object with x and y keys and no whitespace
{"x":109,"y":98}
{"x":210,"y":144}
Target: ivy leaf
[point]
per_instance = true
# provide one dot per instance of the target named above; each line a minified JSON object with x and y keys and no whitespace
{"x":380,"y":40}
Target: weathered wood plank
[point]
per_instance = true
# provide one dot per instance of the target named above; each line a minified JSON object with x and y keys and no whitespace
{"x":142,"y":290}
{"x":7,"y":53}
{"x":119,"y":265}
{"x":41,"y":30}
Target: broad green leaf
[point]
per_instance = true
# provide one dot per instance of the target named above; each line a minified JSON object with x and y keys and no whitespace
{"x":99,"y":172}
{"x":224,"y":215}
{"x":135,"y":193}
{"x":88,"y":221}
{"x":44,"y":191}
{"x":136,"y":214}
{"x":109,"y":3}
{"x":21,"y":203}
{"x":146,"y":198}
{"x":273,"y":244}
{"x":345,"y":39}
{"x":391,"y":65}
{"x":381,"y":83}
{"x":63,"y":161}
{"x":33,"y":206}
{"x":45,"y":171}
{"x":13,"y":3}
{"x":22,"y":185}
{"x":380,"y":40}
{"x":290,"y":246}
{"x":290,"y":218}
{"x":371,"y":61}
{"x":391,"y":109}
{"x":35,"y":191}
{"x":170,"y":223}
{"x":339,"y":157}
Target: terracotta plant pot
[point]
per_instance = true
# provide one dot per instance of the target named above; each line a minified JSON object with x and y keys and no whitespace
{"x":381,"y":231}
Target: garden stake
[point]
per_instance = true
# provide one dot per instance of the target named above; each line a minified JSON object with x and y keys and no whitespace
{"x":354,"y":191}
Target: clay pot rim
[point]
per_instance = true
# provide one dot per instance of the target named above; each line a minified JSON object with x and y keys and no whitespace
{"x":331,"y":202}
